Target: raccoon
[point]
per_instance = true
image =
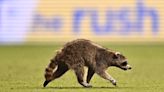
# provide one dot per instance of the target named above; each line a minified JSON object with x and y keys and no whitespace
{"x":82,"y":53}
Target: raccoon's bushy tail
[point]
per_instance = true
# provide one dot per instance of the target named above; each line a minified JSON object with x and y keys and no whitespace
{"x":50,"y":69}
{"x":49,"y":72}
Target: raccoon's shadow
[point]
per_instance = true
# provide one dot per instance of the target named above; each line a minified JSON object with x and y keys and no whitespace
{"x":87,"y":88}
{"x":74,"y":88}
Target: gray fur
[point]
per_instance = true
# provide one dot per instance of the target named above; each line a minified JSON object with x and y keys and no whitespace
{"x":79,"y":53}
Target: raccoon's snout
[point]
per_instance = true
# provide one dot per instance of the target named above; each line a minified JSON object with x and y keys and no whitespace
{"x":125,"y":66}
{"x":129,"y":67}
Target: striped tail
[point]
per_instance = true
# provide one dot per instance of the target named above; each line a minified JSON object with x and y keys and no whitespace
{"x":49,"y":72}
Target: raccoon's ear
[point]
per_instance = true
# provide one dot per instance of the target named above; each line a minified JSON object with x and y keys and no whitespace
{"x":117,"y":53}
{"x":115,"y":56}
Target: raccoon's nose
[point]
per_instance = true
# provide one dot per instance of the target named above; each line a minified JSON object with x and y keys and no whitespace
{"x":129,"y":67}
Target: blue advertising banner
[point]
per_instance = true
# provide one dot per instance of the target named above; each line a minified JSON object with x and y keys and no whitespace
{"x":109,"y":20}
{"x":62,"y":20}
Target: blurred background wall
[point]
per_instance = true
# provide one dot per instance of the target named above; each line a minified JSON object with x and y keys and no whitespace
{"x":62,"y":20}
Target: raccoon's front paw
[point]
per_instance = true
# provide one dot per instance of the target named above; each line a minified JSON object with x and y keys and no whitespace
{"x":114,"y":82}
{"x":86,"y":85}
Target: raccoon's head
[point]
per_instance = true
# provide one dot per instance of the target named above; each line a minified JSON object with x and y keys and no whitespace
{"x":120,"y":61}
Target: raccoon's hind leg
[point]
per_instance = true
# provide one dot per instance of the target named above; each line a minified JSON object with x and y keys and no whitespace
{"x":79,"y":71}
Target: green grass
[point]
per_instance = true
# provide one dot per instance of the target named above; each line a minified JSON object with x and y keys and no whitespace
{"x":22,"y":69}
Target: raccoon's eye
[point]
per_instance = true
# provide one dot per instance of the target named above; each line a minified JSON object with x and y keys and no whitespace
{"x":115,"y":57}
{"x":124,"y":63}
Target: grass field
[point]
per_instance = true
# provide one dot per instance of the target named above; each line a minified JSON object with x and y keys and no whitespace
{"x":22,"y":68}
